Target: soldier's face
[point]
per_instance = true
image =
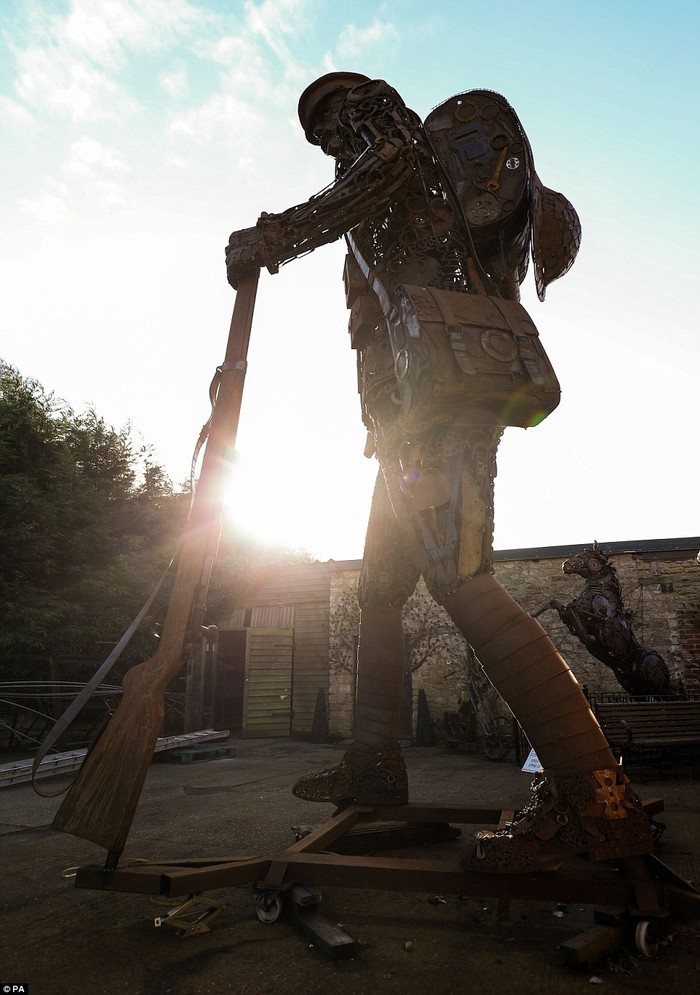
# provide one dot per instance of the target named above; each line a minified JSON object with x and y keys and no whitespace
{"x":326,"y":127}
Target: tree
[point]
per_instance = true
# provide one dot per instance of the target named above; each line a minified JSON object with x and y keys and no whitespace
{"x":87,"y":522}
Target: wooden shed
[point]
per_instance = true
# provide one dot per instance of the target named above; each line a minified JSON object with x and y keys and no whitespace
{"x":273,"y":655}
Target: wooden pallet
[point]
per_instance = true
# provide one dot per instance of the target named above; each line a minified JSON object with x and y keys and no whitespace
{"x":18,"y":771}
{"x":197,"y":754}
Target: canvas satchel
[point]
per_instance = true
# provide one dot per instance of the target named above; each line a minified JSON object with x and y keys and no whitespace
{"x":468,"y":359}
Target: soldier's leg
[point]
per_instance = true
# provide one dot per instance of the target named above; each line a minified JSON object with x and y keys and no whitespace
{"x":584,"y":803}
{"x":372,"y":770}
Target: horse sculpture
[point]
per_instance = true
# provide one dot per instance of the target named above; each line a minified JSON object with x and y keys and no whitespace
{"x":599,"y":619}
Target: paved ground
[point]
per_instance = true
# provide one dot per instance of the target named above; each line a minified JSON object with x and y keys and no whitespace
{"x":64,"y":940}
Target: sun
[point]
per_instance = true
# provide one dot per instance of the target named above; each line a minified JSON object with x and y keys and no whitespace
{"x":313,"y":505}
{"x":262,"y":502}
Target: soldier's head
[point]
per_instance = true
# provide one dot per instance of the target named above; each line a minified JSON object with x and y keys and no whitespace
{"x":319,"y":105}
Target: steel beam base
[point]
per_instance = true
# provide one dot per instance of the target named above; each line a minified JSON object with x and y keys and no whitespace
{"x":638,"y":885}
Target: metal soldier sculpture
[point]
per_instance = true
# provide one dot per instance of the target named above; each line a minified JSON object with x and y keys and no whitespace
{"x":439,"y":218}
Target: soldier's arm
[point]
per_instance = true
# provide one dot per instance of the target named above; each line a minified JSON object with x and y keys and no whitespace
{"x":366,"y":189}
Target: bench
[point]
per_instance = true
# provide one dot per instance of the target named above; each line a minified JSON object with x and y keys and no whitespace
{"x":644,"y":727}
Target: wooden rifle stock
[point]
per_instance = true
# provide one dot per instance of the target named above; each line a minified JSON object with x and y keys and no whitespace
{"x":101,"y":802}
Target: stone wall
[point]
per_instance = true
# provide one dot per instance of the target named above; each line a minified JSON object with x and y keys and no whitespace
{"x":661,"y":586}
{"x":662,"y":593}
{"x":344,"y":627}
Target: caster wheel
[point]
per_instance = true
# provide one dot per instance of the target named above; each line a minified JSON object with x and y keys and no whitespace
{"x":646,"y":939}
{"x":268,"y":907}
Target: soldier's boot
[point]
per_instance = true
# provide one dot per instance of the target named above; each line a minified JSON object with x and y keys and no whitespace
{"x":583,"y":803}
{"x":372,"y":770}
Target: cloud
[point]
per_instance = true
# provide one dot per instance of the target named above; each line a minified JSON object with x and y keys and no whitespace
{"x":249,"y":89}
{"x":273,"y":19}
{"x":57,"y":79}
{"x":87,"y":156}
{"x":48,"y":208}
{"x":106,"y":31}
{"x":224,"y":114}
{"x":175,"y":81}
{"x":353,"y":41}
{"x":73,"y":64}
{"x":90,"y":178}
{"x":14,"y":112}
{"x":121,"y":90}
{"x":246,"y":91}
{"x":86,"y":62}
{"x":100,"y":172}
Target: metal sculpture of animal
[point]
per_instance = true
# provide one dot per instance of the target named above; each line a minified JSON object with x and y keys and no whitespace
{"x":600,"y":620}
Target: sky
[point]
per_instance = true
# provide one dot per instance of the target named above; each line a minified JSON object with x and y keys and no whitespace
{"x":137,"y":134}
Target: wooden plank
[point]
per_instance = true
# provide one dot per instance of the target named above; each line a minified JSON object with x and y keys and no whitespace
{"x":198,"y":754}
{"x":587,"y":885}
{"x":417,"y":812}
{"x":272,"y":617}
{"x":325,"y":835}
{"x":136,"y":879}
{"x":192,"y":880}
{"x":331,"y":940}
{"x":592,"y":947}
{"x":295,"y":585}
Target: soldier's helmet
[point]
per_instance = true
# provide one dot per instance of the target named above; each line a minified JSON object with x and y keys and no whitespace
{"x":313,"y":96}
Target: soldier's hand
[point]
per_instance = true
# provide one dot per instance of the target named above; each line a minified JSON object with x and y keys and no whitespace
{"x":243,"y":254}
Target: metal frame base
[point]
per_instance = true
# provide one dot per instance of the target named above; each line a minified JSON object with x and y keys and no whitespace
{"x":637,"y":884}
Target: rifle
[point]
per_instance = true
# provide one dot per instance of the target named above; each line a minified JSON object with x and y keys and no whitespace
{"x":101,"y":802}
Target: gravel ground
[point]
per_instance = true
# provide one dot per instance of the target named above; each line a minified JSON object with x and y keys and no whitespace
{"x":62,"y":940}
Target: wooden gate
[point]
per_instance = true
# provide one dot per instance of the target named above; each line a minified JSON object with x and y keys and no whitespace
{"x":254,"y":682}
{"x":267,"y":701}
